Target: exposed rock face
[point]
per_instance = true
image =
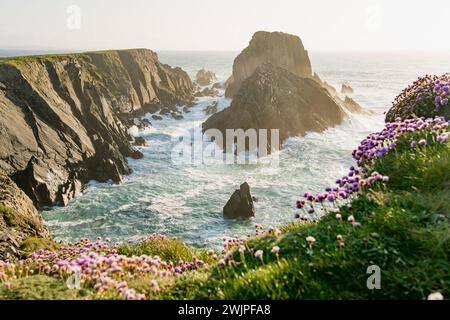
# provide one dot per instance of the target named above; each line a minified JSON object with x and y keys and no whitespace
{"x":281,"y":49}
{"x":18,"y":218}
{"x":352,"y":106}
{"x":346,"y":88}
{"x":240,"y":204}
{"x":205,"y":77}
{"x":274,"y":98}
{"x":62,"y":117}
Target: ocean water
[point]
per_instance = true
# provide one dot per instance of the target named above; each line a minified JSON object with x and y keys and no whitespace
{"x":187,"y":200}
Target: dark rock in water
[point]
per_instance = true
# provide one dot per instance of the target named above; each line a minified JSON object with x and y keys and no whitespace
{"x":205,"y":77}
{"x":346,"y":89}
{"x":165,"y":111}
{"x":156,"y":117}
{"x":64,"y":118}
{"x":207,"y":92}
{"x":186,"y":109}
{"x":274,"y":98}
{"x":140,"y":141}
{"x":19,"y":219}
{"x":176,"y":115}
{"x":212,"y":108}
{"x":240,"y":204}
{"x":281,"y":49}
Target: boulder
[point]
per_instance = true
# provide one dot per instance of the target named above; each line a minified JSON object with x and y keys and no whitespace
{"x":281,"y":49}
{"x":218,"y":85}
{"x":274,"y":98}
{"x":346,"y":89}
{"x":240,"y":204}
{"x":156,"y":117}
{"x":205,"y":77}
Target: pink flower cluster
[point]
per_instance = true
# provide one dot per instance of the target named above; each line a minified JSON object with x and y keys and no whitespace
{"x":376,"y":145}
{"x":97,"y":265}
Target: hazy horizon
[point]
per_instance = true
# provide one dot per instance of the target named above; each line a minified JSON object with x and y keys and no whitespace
{"x":199,"y":25}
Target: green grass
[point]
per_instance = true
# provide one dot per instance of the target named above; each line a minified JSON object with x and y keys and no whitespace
{"x":167,"y":249}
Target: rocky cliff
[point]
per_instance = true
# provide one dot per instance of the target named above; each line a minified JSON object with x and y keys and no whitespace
{"x":63,"y":117}
{"x":281,"y":49}
{"x":19,"y":219}
{"x":274,"y":98}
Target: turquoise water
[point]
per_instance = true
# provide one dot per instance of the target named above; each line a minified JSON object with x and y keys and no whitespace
{"x":187,"y":200}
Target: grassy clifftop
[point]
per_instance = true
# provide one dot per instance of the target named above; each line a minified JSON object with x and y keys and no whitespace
{"x":392,"y":212}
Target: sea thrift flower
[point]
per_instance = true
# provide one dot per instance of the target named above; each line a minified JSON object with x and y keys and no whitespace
{"x":339,"y":238}
{"x":275,"y":250}
{"x":435,"y":296}
{"x":422,"y":142}
{"x":351,"y":218}
{"x":338,"y":216}
{"x":310,"y":241}
{"x":259,"y":254}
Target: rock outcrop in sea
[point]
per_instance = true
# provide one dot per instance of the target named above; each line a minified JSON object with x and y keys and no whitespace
{"x":205,"y":77}
{"x":240,"y":204}
{"x":281,"y":49}
{"x":274,"y":98}
{"x":63,"y":117}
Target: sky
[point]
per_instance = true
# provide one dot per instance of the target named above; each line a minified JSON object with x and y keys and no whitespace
{"x":223,"y":25}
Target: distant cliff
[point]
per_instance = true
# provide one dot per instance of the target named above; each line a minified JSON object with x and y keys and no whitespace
{"x":63,"y":117}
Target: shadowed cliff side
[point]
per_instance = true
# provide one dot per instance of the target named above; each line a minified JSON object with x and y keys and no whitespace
{"x":63,"y":117}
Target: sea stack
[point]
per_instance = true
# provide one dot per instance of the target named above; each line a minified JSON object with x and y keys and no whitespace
{"x":281,"y":49}
{"x":240,"y":204}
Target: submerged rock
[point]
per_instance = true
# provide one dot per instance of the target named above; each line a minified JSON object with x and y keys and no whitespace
{"x":240,"y":204}
{"x":205,"y":77}
{"x":207,"y":92}
{"x":281,"y":49}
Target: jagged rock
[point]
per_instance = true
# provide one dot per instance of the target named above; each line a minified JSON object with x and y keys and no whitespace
{"x":281,"y":49}
{"x":346,"y":89}
{"x":207,"y":92}
{"x":332,"y":90}
{"x":274,"y":98}
{"x":70,"y":113}
{"x":140,"y":141}
{"x":205,"y":77}
{"x":240,"y":204}
{"x":19,"y":219}
{"x":212,"y":108}
{"x":352,"y":105}
{"x":156,"y":117}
